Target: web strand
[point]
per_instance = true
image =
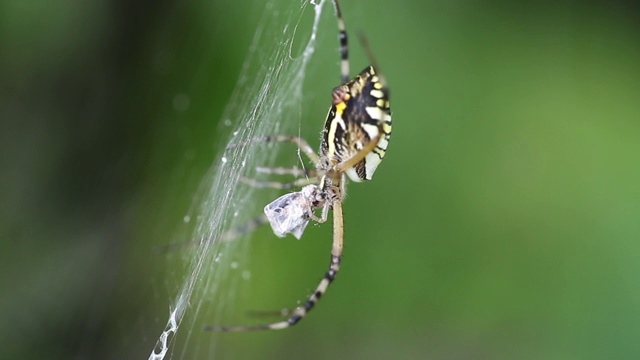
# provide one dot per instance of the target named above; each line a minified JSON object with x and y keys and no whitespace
{"x":269,"y":90}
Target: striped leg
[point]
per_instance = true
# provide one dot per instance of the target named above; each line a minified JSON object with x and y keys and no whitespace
{"x":302,"y":311}
{"x":344,"y":49}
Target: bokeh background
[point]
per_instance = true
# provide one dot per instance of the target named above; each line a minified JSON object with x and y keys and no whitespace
{"x":504,"y":223}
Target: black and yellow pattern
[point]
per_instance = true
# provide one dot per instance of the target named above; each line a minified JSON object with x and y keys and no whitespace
{"x":360,"y":114}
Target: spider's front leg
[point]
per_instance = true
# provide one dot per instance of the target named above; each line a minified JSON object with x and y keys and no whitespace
{"x":300,"y":142}
{"x":280,"y":185}
{"x":305,"y":176}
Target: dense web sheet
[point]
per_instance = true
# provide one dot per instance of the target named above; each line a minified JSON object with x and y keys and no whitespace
{"x":266,"y":100}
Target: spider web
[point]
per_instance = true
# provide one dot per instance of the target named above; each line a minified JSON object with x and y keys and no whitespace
{"x":266,"y":100}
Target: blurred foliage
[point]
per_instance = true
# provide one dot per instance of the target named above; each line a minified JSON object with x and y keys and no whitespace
{"x":502,"y":225}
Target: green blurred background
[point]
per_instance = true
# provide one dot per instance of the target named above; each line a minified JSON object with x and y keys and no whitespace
{"x":502,"y":225}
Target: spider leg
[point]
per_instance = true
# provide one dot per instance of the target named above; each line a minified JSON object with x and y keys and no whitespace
{"x":301,"y":311}
{"x":229,"y":235}
{"x":310,"y":177}
{"x":344,"y":48}
{"x":244,"y":229}
{"x":278,"y":185}
{"x":302,"y":145}
{"x":300,"y":142}
{"x":273,"y":313}
{"x":287,"y":171}
{"x":319,"y":219}
{"x":366,"y":150}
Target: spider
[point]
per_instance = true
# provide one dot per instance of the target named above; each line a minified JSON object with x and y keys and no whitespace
{"x":354,"y":142}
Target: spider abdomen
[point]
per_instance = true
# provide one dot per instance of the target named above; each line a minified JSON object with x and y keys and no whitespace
{"x":360,"y":113}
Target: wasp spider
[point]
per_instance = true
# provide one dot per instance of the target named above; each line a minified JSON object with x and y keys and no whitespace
{"x":354,"y":141}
